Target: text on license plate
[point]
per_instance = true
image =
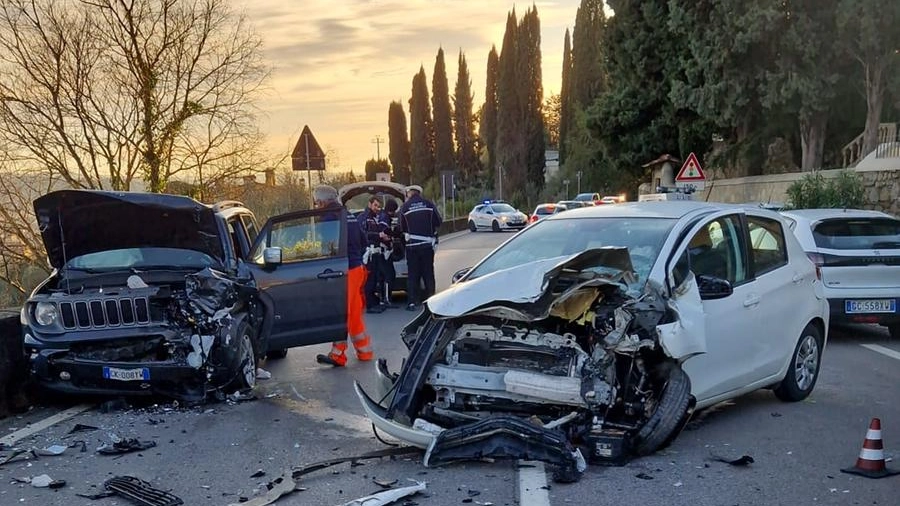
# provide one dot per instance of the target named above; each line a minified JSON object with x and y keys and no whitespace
{"x":114,"y":373}
{"x":870,"y":306}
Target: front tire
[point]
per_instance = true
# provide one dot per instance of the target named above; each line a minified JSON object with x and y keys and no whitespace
{"x":245,"y":375}
{"x":276,"y":354}
{"x":472,"y":227}
{"x":495,"y":226}
{"x":674,"y":406}
{"x":803,"y":372}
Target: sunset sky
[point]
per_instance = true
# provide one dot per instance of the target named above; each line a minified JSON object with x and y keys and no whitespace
{"x":338,"y":64}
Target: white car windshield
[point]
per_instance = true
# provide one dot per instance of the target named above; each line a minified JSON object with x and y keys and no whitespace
{"x":643,"y":237}
{"x":503,"y":208}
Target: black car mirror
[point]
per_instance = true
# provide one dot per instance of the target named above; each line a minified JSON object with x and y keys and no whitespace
{"x":712,"y":288}
{"x":272,"y":256}
{"x":459,"y":274}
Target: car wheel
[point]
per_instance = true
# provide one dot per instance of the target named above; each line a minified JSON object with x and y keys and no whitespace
{"x":472,"y":227}
{"x":895,"y":331}
{"x":671,"y":411}
{"x":246,"y":369}
{"x":495,"y":226}
{"x":804,"y":369}
{"x":276,"y":354}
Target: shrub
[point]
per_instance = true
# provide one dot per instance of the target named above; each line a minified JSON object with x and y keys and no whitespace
{"x":813,"y":191}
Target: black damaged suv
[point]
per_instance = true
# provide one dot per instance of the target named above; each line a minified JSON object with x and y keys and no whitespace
{"x":160,"y":294}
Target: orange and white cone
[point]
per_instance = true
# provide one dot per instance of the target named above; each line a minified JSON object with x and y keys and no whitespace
{"x":871,"y":458}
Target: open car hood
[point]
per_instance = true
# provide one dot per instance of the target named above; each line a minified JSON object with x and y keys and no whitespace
{"x":78,"y":222}
{"x":351,"y":190}
{"x":534,"y":290}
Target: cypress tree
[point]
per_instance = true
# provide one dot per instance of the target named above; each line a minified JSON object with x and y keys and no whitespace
{"x":443,"y":127}
{"x":532,"y":101}
{"x":588,"y":77}
{"x":398,"y":142}
{"x":421,"y":133}
{"x":565,"y":98}
{"x":488,"y":125}
{"x":464,"y":122}
{"x":510,"y":133}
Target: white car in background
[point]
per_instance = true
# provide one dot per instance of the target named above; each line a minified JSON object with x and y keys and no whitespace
{"x":496,"y":215}
{"x":858,"y":255}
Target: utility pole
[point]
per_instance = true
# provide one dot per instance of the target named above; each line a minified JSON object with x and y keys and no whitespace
{"x":579,"y":181}
{"x":377,"y":142}
{"x":500,"y":181}
{"x":566,"y":182}
{"x":312,"y":202}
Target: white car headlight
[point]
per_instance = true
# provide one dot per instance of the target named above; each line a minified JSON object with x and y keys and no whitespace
{"x":504,"y":218}
{"x":45,"y":313}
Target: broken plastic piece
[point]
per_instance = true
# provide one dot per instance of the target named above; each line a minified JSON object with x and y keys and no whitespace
{"x":51,"y":450}
{"x":79,"y":427}
{"x":125,"y":446}
{"x":384,"y":483}
{"x":42,"y":481}
{"x":281,"y":486}
{"x":743,"y":461}
{"x":259,"y":473}
{"x":263,"y":374}
{"x":98,"y":495}
{"x":388,"y":496}
{"x":140,"y":492}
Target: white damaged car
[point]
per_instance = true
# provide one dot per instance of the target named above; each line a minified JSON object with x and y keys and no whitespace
{"x":592,"y":336}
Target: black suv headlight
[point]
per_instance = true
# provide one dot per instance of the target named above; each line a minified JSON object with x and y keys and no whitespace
{"x":46,"y":313}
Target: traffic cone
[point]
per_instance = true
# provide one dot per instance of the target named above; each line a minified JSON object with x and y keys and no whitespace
{"x":871,"y":458}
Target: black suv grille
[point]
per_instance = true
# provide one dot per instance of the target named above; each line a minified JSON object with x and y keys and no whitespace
{"x":86,"y":314}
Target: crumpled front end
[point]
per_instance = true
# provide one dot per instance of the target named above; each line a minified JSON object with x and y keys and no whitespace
{"x":170,"y":334}
{"x":574,"y":369}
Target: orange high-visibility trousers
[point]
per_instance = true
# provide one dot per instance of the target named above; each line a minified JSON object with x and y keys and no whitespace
{"x":356,"y":326}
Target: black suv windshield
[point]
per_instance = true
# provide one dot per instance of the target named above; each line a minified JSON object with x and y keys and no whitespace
{"x":142,"y":258}
{"x":545,"y":239}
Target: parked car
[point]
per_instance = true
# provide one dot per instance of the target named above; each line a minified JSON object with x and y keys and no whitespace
{"x":858,"y":255}
{"x":594,"y":334}
{"x":610,"y":199}
{"x":593,"y":198}
{"x":544,"y":210}
{"x":572,"y":204}
{"x":355,"y":197}
{"x":496,"y":215}
{"x":160,"y":294}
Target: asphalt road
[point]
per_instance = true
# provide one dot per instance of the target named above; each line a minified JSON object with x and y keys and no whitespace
{"x":306,"y":413}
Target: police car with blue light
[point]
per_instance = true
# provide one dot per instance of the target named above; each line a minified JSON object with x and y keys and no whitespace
{"x":496,"y":215}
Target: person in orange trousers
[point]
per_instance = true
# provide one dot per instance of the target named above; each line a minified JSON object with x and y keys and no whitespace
{"x":326,"y":197}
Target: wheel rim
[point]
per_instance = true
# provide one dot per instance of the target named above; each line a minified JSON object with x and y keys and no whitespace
{"x":248,"y":366}
{"x":806,"y":363}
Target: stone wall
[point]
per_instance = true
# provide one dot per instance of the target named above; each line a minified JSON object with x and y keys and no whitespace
{"x":882,"y":188}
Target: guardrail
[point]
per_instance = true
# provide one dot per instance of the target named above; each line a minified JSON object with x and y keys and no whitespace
{"x":454,"y":225}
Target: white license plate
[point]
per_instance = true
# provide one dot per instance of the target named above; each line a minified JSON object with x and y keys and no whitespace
{"x":114,"y":373}
{"x":870,"y":306}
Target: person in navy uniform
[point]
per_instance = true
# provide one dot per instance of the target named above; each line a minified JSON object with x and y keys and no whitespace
{"x":419,"y":222}
{"x":373,"y":257}
{"x":392,"y":252}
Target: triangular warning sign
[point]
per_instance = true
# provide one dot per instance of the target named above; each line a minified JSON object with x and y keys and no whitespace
{"x":691,"y":170}
{"x":307,"y":153}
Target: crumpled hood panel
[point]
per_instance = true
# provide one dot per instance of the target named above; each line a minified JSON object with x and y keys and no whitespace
{"x":521,"y":292}
{"x":78,"y":222}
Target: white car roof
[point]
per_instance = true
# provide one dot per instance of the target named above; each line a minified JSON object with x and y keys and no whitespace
{"x":665,"y":209}
{"x":812,"y":215}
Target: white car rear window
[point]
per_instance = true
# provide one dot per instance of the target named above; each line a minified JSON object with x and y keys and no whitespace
{"x":858,"y":233}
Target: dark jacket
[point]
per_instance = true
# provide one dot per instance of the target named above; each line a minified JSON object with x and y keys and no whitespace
{"x":419,"y":217}
{"x":356,"y":239}
{"x":369,"y":224}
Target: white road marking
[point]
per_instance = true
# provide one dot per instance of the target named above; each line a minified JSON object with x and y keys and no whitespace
{"x":884,"y":351}
{"x":34,"y":428}
{"x":533,"y":484}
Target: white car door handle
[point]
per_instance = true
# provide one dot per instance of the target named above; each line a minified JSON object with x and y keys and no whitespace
{"x":751,"y":300}
{"x":797,"y":277}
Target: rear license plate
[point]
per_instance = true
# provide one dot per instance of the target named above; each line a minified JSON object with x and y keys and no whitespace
{"x":114,"y":373}
{"x":870,"y":306}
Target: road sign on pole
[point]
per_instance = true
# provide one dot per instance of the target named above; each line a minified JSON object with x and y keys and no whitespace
{"x":308,"y":155}
{"x":691,"y":174}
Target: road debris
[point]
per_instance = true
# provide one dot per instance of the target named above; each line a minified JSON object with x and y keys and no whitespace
{"x":51,"y":451}
{"x":125,"y":446}
{"x":80,"y":427}
{"x":140,"y":492}
{"x":388,"y":496}
{"x":278,"y":488}
{"x":258,"y":474}
{"x":643,"y":476}
{"x":739,"y":462}
{"x":384,"y":483}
